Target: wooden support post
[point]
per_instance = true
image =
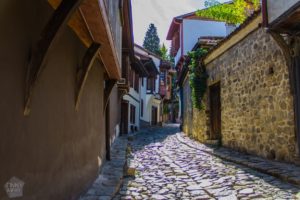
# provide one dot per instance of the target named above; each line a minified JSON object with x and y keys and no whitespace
{"x":107,"y":92}
{"x":107,"y":133}
{"x":83,"y":71}
{"x":297,"y":99}
{"x":59,"y":18}
{"x":292,"y":56}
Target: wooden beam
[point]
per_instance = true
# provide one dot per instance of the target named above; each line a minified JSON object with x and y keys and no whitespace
{"x":95,"y":14}
{"x":107,"y":133}
{"x":287,"y":52}
{"x":83,"y":71}
{"x":291,"y":53}
{"x":91,"y":23}
{"x":296,"y":70}
{"x":107,"y":91}
{"x":59,"y":18}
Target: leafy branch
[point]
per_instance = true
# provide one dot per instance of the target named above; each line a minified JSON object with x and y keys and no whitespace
{"x":232,"y":13}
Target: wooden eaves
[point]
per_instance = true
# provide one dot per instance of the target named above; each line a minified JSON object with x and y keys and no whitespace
{"x":91,"y":24}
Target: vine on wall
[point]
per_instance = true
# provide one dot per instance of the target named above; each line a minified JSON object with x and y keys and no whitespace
{"x":198,"y":77}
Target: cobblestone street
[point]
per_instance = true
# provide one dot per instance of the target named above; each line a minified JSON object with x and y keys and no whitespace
{"x":169,"y":169}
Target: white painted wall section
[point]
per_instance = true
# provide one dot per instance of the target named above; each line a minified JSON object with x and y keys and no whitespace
{"x":134,"y":99}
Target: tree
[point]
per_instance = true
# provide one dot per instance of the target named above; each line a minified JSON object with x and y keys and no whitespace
{"x":232,"y":13}
{"x":151,"y":40}
{"x":164,"y":52}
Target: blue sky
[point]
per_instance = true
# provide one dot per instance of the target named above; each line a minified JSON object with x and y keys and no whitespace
{"x":161,"y":13}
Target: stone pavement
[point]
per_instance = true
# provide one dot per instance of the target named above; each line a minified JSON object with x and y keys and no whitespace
{"x":168,"y":168}
{"x":111,"y":175}
{"x":285,"y":171}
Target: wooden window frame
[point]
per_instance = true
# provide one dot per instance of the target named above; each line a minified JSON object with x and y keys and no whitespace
{"x":150,"y":84}
{"x":136,"y":82}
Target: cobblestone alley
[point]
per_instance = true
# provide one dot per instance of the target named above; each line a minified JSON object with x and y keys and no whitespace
{"x":169,"y":169}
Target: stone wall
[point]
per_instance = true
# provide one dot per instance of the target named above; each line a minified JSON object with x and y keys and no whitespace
{"x":200,"y":126}
{"x":194,"y":120}
{"x":256,"y":104}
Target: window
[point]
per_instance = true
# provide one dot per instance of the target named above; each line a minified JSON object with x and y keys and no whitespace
{"x":132,"y":114}
{"x":142,"y":107}
{"x":162,"y":78}
{"x":150,"y":84}
{"x":131,"y":77}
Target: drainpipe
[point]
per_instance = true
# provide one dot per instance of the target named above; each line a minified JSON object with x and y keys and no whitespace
{"x":265,"y":13}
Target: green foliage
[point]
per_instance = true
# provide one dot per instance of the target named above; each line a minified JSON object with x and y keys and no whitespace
{"x":166,"y":109}
{"x":165,"y":55}
{"x":164,"y":52}
{"x":151,"y":40}
{"x":233,"y":13}
{"x":198,"y":77}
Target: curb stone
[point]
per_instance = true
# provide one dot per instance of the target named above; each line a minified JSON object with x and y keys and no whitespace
{"x":284,"y":171}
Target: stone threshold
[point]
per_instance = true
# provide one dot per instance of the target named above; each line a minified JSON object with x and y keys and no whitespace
{"x":111,"y":175}
{"x":287,"y":172}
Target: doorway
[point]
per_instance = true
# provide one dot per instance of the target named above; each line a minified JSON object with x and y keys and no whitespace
{"x":124,"y":117}
{"x":154,"y":116}
{"x":215,"y":111}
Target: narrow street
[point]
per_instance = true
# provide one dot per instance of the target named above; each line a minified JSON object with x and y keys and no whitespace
{"x":169,"y":169}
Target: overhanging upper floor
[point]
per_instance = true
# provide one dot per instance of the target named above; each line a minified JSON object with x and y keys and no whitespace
{"x":98,"y":21}
{"x":283,"y":16}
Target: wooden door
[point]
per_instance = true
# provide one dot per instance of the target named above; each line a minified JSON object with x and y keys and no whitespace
{"x":296,"y":83}
{"x":154,"y":116}
{"x":124,"y":117}
{"x":215,"y":111}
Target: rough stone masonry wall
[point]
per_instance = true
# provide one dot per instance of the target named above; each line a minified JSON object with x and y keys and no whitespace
{"x":200,"y":125}
{"x":195,"y":121}
{"x":256,"y":103}
{"x":257,"y":108}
